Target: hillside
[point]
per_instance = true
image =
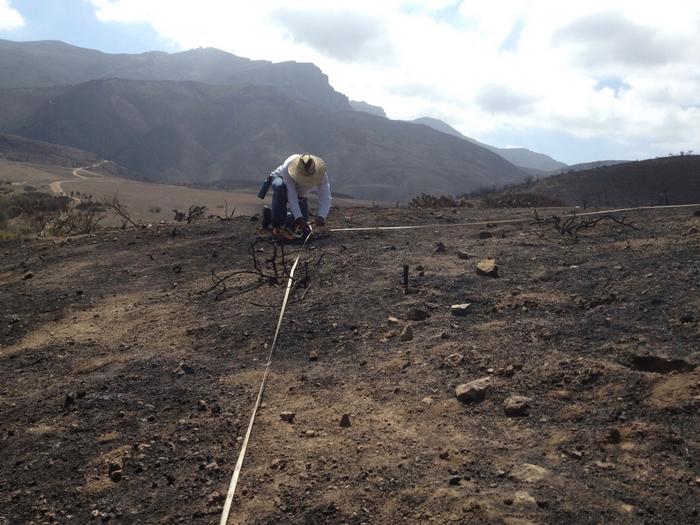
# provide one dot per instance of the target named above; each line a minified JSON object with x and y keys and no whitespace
{"x":20,"y":149}
{"x":668,"y":180}
{"x":49,"y":63}
{"x":188,"y":132}
{"x":536,"y":163}
{"x":126,"y":389}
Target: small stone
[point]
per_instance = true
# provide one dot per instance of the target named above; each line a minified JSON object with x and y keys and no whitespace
{"x":215,"y":498}
{"x":27,"y":276}
{"x":444,"y":454}
{"x":427,"y":401}
{"x":460,"y":310}
{"x":692,"y":231}
{"x":345,"y":421}
{"x":529,"y":473}
{"x":524,"y":499}
{"x":487,"y":268}
{"x":406,"y":333}
{"x":454,"y":359}
{"x":116,"y":476}
{"x":212,"y":466}
{"x":202,"y":405}
{"x":485,"y":235}
{"x":444,"y":335}
{"x":313,"y":355}
{"x":440,"y":247}
{"x":392,"y":321}
{"x":416,"y":314}
{"x":474,"y":391}
{"x":455,"y":480}
{"x":183,"y":369}
{"x":69,"y":399}
{"x":464,"y":255}
{"x":516,"y":406}
{"x":310,"y":433}
{"x":287,"y":416}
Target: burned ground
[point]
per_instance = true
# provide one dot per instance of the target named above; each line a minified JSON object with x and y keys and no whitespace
{"x":126,"y":393}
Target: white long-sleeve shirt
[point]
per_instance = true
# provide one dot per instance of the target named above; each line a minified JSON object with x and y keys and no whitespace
{"x":294,"y":190}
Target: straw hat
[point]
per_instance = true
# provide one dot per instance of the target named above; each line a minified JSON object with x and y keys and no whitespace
{"x":307,"y":170}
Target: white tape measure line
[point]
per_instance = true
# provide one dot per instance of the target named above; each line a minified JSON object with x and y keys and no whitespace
{"x":506,"y":221}
{"x":241,"y":454}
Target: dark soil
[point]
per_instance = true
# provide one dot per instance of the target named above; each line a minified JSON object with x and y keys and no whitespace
{"x":125,"y":393}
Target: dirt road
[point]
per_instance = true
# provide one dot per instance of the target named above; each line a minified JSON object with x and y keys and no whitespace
{"x":57,"y":186}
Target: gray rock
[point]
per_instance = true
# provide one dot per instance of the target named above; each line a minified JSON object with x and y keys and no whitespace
{"x":464,"y":255}
{"x":460,"y":310}
{"x":474,"y":391}
{"x":485,"y":235}
{"x":406,"y":334}
{"x":345,"y":421}
{"x":416,"y":314}
{"x":516,"y":406}
{"x":287,"y":416}
{"x":487,"y":268}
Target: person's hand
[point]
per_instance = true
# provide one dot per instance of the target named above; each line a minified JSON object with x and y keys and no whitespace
{"x":301,"y":224}
{"x":319,"y":221}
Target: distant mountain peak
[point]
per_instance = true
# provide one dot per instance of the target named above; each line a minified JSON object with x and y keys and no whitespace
{"x":536,"y":163}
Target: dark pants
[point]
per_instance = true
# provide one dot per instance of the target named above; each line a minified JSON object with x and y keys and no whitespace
{"x":280,"y":215}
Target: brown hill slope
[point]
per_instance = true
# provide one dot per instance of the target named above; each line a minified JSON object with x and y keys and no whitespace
{"x":125,"y":392}
{"x":668,"y":180}
{"x":198,"y":133}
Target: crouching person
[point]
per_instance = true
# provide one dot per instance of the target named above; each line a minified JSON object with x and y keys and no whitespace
{"x":291,"y":183}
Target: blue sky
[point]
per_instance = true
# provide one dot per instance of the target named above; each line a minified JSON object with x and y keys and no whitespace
{"x":75,"y":22}
{"x":579,"y":81}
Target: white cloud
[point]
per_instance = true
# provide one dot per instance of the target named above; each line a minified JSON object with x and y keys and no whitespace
{"x":9,"y":17}
{"x":479,"y":64}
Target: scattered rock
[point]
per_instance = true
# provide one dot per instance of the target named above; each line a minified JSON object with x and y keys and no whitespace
{"x":116,"y":475}
{"x":416,"y":314}
{"x":612,"y":436}
{"x":392,"y":321}
{"x":487,"y":268}
{"x":692,"y":231}
{"x":460,"y":310}
{"x":202,"y":405}
{"x":696,"y":213}
{"x":529,"y":473}
{"x":406,"y":333}
{"x":444,"y":335}
{"x":455,"y":480}
{"x":215,"y":498}
{"x":440,"y":248}
{"x":464,"y":255}
{"x":69,"y":399}
{"x":516,"y":406}
{"x":485,"y":235}
{"x":183,"y":368}
{"x":427,"y":401}
{"x":177,"y":268}
{"x":474,"y":391}
{"x":313,"y":355}
{"x":310,"y":433}
{"x":508,"y":371}
{"x":27,"y":275}
{"x":345,"y":421}
{"x":255,"y":218}
{"x":524,"y":499}
{"x":287,"y":416}
{"x":454,"y":359}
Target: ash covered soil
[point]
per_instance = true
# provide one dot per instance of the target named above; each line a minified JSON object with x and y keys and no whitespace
{"x":126,"y":393}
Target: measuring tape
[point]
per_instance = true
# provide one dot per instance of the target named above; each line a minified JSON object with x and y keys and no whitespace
{"x":506,"y":221}
{"x":241,"y":454}
{"x":244,"y":447}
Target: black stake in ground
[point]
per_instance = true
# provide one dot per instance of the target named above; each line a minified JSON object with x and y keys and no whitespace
{"x":405,"y":279}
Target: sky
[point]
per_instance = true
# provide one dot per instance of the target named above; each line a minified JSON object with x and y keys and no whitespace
{"x":579,"y":81}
